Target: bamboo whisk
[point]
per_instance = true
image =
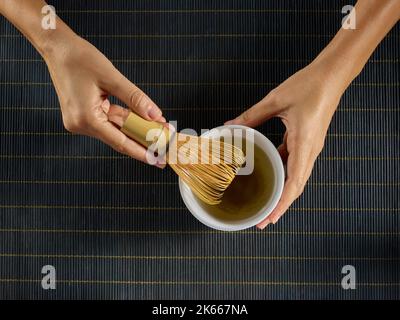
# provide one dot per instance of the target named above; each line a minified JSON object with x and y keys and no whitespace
{"x":208,"y":173}
{"x":206,"y":165}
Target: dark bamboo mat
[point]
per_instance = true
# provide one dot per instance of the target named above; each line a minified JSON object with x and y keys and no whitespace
{"x":116,"y":229}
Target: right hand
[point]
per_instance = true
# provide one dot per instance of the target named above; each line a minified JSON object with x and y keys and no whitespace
{"x":84,"y":78}
{"x":306,"y":103}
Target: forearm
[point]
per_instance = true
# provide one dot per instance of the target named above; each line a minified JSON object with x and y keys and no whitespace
{"x":349,"y":51}
{"x":26,"y":16}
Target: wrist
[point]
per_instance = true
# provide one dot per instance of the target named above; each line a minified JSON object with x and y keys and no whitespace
{"x":337,"y":70}
{"x":55,"y":43}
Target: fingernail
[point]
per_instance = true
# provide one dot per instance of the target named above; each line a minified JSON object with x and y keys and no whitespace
{"x":233,"y":121}
{"x":162,"y":119}
{"x":263,"y":224}
{"x":154,"y":113}
{"x":160,"y":165}
{"x":275,"y":220}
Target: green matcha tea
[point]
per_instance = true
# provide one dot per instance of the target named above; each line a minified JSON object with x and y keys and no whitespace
{"x":247,"y":194}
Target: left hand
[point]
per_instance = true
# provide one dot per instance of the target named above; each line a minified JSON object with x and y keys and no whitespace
{"x":84,"y":78}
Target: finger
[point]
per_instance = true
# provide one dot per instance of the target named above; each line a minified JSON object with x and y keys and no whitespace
{"x":262,"y":225}
{"x":282,"y":149}
{"x":313,"y":158}
{"x":298,"y":170}
{"x":290,"y":193}
{"x":118,"y":115}
{"x":257,"y":114}
{"x":283,"y":152}
{"x":112,"y":136}
{"x":133,"y":97}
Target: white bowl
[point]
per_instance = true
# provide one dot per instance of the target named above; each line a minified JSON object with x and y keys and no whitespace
{"x":193,"y":203}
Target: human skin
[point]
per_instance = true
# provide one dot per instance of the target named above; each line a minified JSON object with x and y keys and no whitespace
{"x":307,"y":100}
{"x":83,"y":78}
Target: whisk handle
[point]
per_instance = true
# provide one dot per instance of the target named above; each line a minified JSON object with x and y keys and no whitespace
{"x":137,"y":128}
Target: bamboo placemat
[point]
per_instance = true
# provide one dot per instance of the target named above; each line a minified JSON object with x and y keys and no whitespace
{"x":116,"y":229}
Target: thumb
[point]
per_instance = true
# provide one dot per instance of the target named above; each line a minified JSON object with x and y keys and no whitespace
{"x":135,"y":99}
{"x":257,"y":114}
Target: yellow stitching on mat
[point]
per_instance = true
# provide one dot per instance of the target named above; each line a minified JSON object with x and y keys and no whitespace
{"x":194,"y":36}
{"x":331,"y":135}
{"x":368,"y":110}
{"x":222,"y":283}
{"x":65,"y":157}
{"x":167,"y":84}
{"x":199,"y":35}
{"x":204,"y":232}
{"x":352,"y":184}
{"x":359,"y":158}
{"x":18,"y":206}
{"x":87,"y":182}
{"x":319,"y":184}
{"x":128,"y":257}
{"x":17,"y":108}
{"x":202,"y":11}
{"x":9,"y":133}
{"x":185,"y":109}
{"x":206,"y":60}
{"x":12,"y":206}
{"x":92,"y":157}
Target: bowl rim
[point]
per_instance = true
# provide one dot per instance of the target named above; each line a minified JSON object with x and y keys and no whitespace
{"x":188,"y":197}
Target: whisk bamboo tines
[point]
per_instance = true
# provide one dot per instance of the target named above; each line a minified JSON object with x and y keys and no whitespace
{"x":206,"y":165}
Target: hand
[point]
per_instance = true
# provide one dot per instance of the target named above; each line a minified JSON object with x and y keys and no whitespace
{"x":305,"y":102}
{"x":84,"y":78}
